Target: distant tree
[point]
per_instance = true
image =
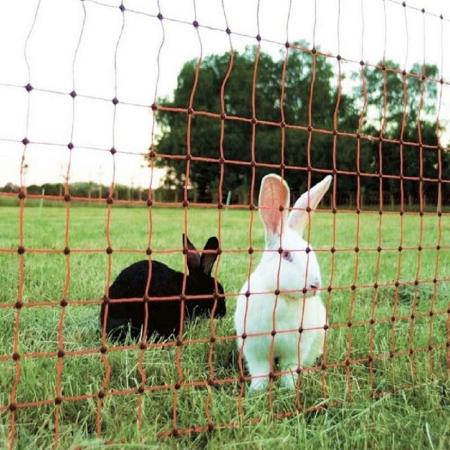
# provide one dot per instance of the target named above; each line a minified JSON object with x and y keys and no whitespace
{"x":404,"y":108}
{"x":205,"y":131}
{"x":10,"y":187}
{"x":305,"y":76}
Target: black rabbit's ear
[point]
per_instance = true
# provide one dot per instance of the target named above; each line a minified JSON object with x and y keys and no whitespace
{"x":209,"y":256}
{"x":192,"y":255}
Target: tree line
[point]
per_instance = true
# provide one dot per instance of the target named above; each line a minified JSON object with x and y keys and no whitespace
{"x":377,"y":101}
{"x":91,"y":190}
{"x":380,"y":102}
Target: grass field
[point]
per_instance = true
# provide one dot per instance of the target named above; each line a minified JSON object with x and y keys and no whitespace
{"x":418,"y":416}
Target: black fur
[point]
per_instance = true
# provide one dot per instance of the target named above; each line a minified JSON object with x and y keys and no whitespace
{"x":164,"y":315}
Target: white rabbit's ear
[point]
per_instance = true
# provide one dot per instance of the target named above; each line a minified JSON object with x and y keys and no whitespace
{"x":306,"y":204}
{"x":273,"y":204}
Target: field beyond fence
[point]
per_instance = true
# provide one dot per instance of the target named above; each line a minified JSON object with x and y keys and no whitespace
{"x":390,"y":358}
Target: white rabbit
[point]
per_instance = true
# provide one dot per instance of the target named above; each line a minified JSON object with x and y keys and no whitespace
{"x":290,"y":326}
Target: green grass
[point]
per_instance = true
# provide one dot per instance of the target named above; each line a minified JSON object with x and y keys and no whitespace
{"x":358,"y":416}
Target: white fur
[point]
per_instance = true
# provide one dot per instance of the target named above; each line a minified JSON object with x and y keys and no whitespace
{"x":258,"y":314}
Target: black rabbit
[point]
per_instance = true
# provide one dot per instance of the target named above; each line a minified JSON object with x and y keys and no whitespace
{"x":164,"y":315}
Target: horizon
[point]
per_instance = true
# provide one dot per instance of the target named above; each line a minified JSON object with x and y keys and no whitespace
{"x":371,"y":31}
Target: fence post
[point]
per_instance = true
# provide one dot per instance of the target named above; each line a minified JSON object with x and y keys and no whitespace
{"x":41,"y":201}
{"x":228,"y":198}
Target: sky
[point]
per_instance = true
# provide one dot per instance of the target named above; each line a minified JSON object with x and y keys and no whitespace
{"x":93,"y":48}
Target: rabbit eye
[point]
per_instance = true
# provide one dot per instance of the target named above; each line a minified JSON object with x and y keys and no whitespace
{"x":287,"y":256}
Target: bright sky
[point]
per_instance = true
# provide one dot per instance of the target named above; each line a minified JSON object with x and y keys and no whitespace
{"x":366,"y":29}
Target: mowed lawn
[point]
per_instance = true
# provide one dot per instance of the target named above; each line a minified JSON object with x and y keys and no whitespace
{"x":385,"y":383}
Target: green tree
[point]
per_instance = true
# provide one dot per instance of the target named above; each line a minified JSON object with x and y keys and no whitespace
{"x":237,"y":146}
{"x":398,"y":107}
{"x":402,"y":107}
